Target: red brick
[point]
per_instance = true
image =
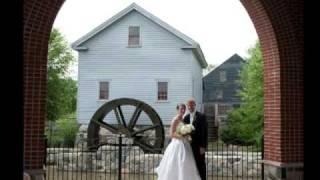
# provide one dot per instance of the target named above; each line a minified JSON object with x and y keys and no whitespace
{"x":280,"y":30}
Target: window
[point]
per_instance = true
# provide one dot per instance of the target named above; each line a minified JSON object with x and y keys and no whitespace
{"x":212,"y":95}
{"x":223,"y":109}
{"x":223,"y":76}
{"x":104,"y":90}
{"x":134,"y":36}
{"x":219,"y":94}
{"x":162,"y":91}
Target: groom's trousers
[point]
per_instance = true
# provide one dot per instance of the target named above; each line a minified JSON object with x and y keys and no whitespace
{"x":200,"y":162}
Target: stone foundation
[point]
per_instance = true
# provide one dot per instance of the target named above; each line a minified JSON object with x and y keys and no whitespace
{"x":280,"y":171}
{"x":36,"y":174}
{"x":82,"y":135}
{"x":134,"y":160}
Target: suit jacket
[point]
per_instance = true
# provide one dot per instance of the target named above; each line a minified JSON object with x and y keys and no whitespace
{"x":200,"y":134}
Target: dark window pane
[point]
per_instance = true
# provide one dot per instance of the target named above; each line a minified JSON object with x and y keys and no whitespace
{"x":104,"y":90}
{"x":134,"y":35}
{"x":162,"y":90}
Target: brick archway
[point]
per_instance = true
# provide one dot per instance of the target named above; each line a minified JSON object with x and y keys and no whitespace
{"x":279,"y":25}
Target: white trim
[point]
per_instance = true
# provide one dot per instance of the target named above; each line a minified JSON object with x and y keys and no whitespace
{"x":124,"y":12}
{"x":78,"y":93}
{"x":134,"y":46}
{"x":156,"y":90}
{"x":103,"y":100}
{"x":162,"y":101}
{"x":81,"y":48}
{"x":98,"y":90}
{"x":193,"y":87}
{"x":140,"y":36}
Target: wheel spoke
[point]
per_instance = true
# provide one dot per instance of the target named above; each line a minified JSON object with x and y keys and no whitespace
{"x":144,"y":129}
{"x":135,"y":116}
{"x":150,"y":138}
{"x":107,"y":126}
{"x":120,"y":117}
{"x":117,"y":115}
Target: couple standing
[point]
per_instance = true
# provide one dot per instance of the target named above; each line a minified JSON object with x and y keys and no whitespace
{"x":184,"y":160}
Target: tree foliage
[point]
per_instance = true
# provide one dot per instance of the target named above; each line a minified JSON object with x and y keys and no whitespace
{"x":62,"y":90}
{"x":245,"y":124}
{"x":208,"y":69}
{"x":63,"y":132}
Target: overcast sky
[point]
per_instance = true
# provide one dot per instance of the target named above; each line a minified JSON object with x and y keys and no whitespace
{"x":221,"y":27}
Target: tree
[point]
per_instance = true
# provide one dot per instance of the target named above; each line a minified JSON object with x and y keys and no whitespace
{"x":63,"y":131}
{"x":61,"y":93}
{"x":245,"y":124}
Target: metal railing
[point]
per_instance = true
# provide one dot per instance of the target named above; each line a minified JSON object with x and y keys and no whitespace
{"x":119,"y":159}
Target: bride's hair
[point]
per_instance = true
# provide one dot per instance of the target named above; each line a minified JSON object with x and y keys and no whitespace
{"x":180,"y":105}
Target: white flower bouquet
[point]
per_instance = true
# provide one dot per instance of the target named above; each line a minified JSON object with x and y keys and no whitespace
{"x":184,"y":130}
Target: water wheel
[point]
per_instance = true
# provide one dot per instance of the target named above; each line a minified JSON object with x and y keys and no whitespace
{"x":128,"y":126}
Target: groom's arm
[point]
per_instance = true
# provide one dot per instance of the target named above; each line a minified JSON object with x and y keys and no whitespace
{"x":204,"y":132}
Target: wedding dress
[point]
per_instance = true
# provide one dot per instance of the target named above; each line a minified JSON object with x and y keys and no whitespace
{"x":178,"y":162}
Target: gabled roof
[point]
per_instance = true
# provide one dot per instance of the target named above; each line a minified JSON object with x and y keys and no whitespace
{"x":234,"y":57}
{"x":192,"y":44}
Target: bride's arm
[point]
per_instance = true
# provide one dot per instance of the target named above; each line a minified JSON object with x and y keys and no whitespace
{"x":173,"y":127}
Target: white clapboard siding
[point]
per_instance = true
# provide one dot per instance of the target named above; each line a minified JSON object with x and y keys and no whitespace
{"x":197,"y":82}
{"x":134,"y":72}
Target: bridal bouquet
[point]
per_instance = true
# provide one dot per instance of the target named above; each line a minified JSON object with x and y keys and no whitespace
{"x":185,"y":130}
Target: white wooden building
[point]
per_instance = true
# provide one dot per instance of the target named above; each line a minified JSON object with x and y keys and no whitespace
{"x":136,"y":55}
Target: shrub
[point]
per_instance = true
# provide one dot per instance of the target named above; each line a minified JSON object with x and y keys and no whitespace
{"x":63,"y":131}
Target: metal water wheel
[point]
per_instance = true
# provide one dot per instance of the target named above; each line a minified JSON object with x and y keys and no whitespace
{"x":128,"y":127}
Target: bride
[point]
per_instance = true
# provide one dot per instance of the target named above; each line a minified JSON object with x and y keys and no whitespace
{"x":178,"y":162}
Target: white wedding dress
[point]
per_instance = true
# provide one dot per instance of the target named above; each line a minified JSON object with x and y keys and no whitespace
{"x":178,"y":162}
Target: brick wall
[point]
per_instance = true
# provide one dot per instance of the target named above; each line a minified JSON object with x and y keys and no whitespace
{"x":38,"y":19}
{"x":282,"y":44}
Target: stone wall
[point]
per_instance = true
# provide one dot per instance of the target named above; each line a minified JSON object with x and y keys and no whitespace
{"x":134,"y":160}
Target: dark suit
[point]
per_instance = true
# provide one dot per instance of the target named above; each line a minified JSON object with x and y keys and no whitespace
{"x":199,"y":139}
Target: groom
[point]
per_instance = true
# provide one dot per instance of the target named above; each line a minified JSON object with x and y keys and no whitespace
{"x":199,"y":136}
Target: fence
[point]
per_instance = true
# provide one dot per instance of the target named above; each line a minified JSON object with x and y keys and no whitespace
{"x":119,"y":159}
